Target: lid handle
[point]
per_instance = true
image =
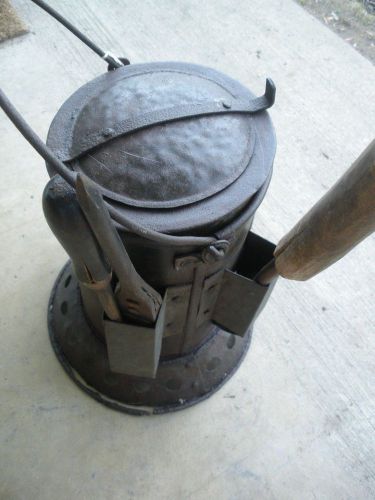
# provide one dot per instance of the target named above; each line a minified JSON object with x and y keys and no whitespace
{"x":167,"y":115}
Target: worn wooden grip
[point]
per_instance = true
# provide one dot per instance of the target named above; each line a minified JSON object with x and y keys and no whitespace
{"x":334,"y":225}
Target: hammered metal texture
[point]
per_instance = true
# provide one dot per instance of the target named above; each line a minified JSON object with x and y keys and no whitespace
{"x":192,"y":158}
{"x":167,"y":165}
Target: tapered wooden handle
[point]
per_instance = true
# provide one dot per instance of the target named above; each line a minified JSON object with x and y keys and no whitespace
{"x":340,"y":220}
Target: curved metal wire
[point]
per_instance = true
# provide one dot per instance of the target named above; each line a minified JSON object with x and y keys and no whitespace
{"x":70,"y":177}
{"x":107,"y":56}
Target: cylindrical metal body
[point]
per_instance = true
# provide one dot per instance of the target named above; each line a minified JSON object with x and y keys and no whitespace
{"x":185,"y":151}
{"x":157,"y":266}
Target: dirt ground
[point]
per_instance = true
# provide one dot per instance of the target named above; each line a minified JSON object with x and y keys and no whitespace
{"x":349,"y":19}
{"x":10,"y":24}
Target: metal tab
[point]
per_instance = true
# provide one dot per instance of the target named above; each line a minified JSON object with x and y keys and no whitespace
{"x":241,"y":299}
{"x":239,"y":303}
{"x":129,"y":125}
{"x":135,"y":349}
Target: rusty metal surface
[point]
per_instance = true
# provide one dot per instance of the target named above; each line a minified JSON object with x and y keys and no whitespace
{"x":134,"y":349}
{"x":170,"y":164}
{"x":179,"y":383}
{"x":239,"y":303}
{"x":196,"y":175}
{"x":241,"y":298}
{"x":155,"y":263}
{"x":177,"y":303}
{"x":90,"y":138}
{"x":67,"y":222}
{"x":136,"y":297}
{"x":210,"y":292}
{"x":193,"y":165}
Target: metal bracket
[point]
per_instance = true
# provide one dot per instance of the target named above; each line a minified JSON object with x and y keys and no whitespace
{"x":241,"y":298}
{"x":115,"y":62}
{"x":210,"y":254}
{"x":135,"y":349}
{"x":215,"y":252}
{"x":174,"y":113}
{"x":239,"y":303}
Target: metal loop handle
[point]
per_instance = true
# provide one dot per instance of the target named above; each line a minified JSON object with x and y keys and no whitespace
{"x":214,"y":248}
{"x":70,"y":177}
{"x":113,"y":60}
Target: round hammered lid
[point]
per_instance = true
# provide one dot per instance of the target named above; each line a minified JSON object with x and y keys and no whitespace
{"x":163,"y":136}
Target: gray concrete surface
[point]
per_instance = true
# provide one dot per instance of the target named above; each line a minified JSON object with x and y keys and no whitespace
{"x":297,"y":420}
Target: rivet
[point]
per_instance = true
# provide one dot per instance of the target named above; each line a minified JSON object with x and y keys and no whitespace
{"x":227,"y":104}
{"x":231,"y":341}
{"x":213,"y":364}
{"x":173,"y":384}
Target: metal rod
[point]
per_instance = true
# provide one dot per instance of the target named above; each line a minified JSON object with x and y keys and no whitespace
{"x":70,"y":177}
{"x":135,"y":295}
{"x":35,"y":141}
{"x":68,"y":25}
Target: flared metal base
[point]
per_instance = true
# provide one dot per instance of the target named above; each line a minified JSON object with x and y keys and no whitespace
{"x":179,"y":383}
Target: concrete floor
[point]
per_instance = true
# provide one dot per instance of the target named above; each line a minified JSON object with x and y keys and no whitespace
{"x":297,"y":420}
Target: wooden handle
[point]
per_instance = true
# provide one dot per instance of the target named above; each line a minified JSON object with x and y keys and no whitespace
{"x":334,"y":225}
